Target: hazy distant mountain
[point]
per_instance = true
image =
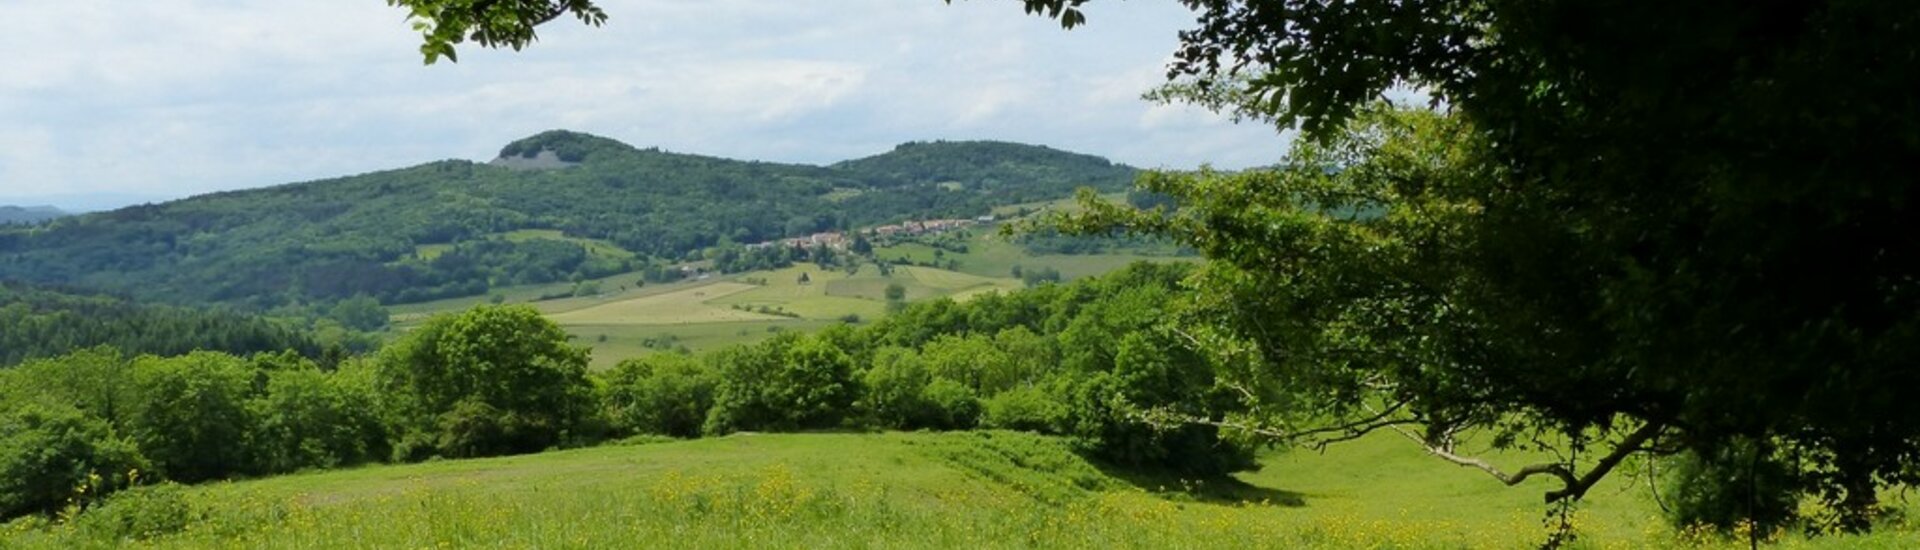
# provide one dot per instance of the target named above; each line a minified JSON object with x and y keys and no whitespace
{"x":28,"y":214}
{"x":552,"y":207}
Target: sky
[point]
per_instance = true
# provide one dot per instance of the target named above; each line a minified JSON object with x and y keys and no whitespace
{"x":108,"y":102}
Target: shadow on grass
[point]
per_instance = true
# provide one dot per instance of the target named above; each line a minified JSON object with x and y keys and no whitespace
{"x":1212,"y":490}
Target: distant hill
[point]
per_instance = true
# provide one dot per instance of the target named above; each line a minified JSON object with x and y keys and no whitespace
{"x":1023,"y":172}
{"x":28,"y":214}
{"x":555,"y":206}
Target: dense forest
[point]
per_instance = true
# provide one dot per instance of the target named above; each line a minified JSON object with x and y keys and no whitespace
{"x":448,"y":228}
{"x":39,"y":322}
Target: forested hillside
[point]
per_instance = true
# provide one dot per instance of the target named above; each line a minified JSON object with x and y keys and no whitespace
{"x":37,"y":322}
{"x":457,"y":228}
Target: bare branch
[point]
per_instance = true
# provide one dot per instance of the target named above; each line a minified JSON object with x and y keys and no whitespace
{"x":1515,"y":478}
{"x":1347,"y":432}
{"x":1573,"y":486}
{"x":1633,"y":443}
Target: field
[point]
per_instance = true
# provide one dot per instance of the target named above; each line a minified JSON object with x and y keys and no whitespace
{"x":627,"y":320}
{"x":594,"y":247}
{"x":911,"y":490}
{"x":685,"y":306}
{"x":991,"y":255}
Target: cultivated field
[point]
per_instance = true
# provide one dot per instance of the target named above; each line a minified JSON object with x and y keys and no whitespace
{"x":682,"y":306}
{"x":990,"y":255}
{"x":628,"y":319}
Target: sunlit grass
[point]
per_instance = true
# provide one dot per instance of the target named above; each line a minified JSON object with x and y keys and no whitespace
{"x":971,"y":490}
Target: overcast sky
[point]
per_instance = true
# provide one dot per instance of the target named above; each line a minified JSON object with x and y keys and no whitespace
{"x":105,"y":102}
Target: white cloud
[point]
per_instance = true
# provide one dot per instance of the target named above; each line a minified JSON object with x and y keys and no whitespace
{"x":176,"y":97}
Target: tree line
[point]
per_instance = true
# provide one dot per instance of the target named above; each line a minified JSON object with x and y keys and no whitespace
{"x":1080,"y":360}
{"x":39,"y":322}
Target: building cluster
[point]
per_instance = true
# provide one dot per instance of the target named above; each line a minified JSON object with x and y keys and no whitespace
{"x":840,"y":241}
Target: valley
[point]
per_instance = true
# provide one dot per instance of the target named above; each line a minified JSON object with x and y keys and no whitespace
{"x":627,"y":317}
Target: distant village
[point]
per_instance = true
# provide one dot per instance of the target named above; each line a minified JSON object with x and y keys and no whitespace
{"x":840,"y":241}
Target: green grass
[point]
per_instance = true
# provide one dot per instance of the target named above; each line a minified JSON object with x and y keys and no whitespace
{"x":682,"y":306}
{"x":716,"y":312}
{"x":627,"y":341}
{"x":783,"y":290}
{"x":611,"y":287}
{"x":894,"y":490}
{"x":1067,"y":205}
{"x":595,"y":247}
{"x":720,"y":311}
{"x":990,"y":255}
{"x":429,"y":252}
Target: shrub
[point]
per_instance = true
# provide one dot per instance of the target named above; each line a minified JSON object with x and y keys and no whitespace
{"x":310,"y":419}
{"x":493,"y":380}
{"x":139,"y":514}
{"x":1032,"y":409}
{"x":787,"y":383}
{"x":658,"y":394}
{"x":951,"y":405}
{"x":191,"y":418}
{"x":49,"y":449}
{"x":893,"y":390}
{"x":1725,"y":487}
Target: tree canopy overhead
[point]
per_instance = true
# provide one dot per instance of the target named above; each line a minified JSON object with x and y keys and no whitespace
{"x":444,"y":24}
{"x":491,"y":23}
{"x":1685,"y":225}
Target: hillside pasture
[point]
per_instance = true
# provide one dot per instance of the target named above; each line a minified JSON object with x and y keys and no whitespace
{"x":991,"y":255}
{"x":682,"y":306}
{"x":784,"y":291}
{"x":614,"y":343}
{"x":902,"y":490}
{"x":595,"y":247}
{"x":708,"y":313}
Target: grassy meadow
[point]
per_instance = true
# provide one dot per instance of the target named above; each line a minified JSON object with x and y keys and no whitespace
{"x":990,"y":255}
{"x":891,"y":490}
{"x":594,"y":247}
{"x":628,"y":320}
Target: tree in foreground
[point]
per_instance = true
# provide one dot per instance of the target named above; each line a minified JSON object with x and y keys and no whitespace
{"x":492,"y":380}
{"x":1622,"y":237}
{"x":53,"y":455}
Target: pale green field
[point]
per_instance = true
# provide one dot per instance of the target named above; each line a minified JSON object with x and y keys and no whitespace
{"x":683,"y":306}
{"x":958,"y":281}
{"x":901,"y":490}
{"x":430,"y":251}
{"x":614,"y":287}
{"x":989,"y":255}
{"x":783,"y":290}
{"x":723,"y":310}
{"x":594,"y":247}
{"x":702,"y":315}
{"x":1066,"y":205}
{"x":628,"y":341}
